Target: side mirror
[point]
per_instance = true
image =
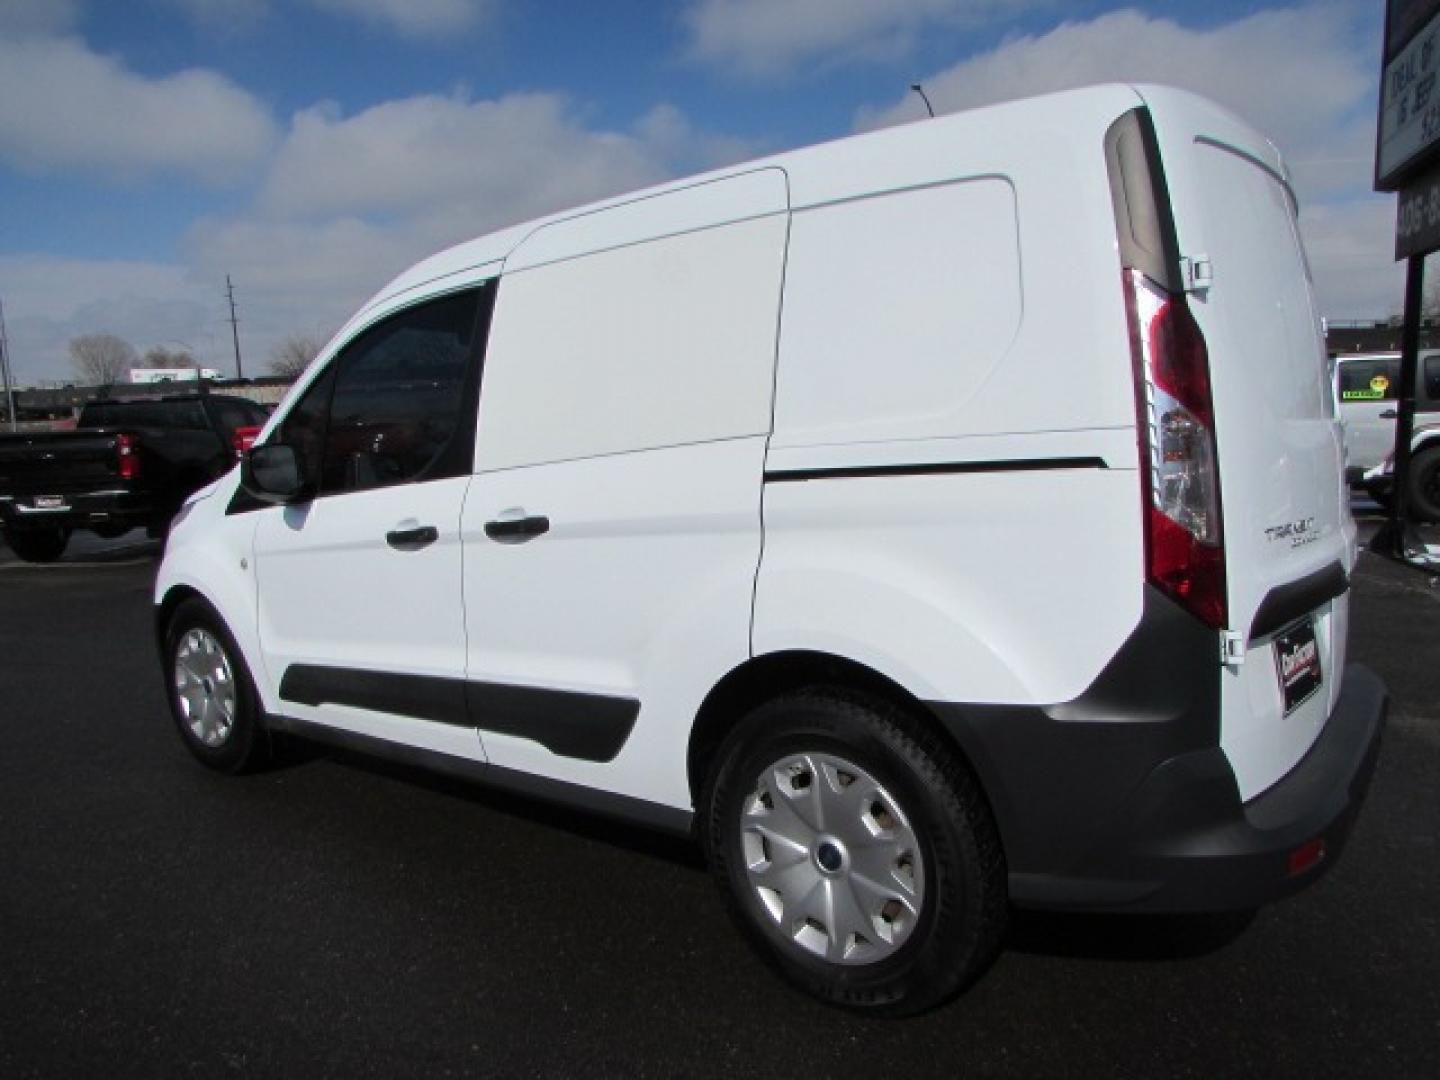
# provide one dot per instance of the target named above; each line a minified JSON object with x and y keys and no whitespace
{"x":273,"y":473}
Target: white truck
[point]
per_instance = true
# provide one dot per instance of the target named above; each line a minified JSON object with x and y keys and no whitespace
{"x":179,"y":374}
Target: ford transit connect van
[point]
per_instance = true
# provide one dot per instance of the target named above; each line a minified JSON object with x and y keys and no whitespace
{"x":934,"y":520}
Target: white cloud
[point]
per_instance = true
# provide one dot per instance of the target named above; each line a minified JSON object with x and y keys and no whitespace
{"x":1303,"y":75}
{"x":351,"y":201}
{"x":63,"y":107}
{"x":24,"y":17}
{"x":414,"y":18}
{"x":493,"y":161}
{"x":49,"y":300}
{"x":670,"y":134}
{"x":1299,"y":74}
{"x":765,"y":38}
{"x":348,"y":202}
{"x":1351,"y":249}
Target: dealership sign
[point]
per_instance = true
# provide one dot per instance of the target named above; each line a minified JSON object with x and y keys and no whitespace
{"x":1409,"y":92}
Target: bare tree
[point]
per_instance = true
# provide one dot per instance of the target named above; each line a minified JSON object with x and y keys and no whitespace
{"x":157,"y":356}
{"x":101,"y":359}
{"x":293,"y":355}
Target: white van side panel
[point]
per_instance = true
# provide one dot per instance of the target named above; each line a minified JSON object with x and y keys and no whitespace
{"x":656,"y":344}
{"x":986,"y":587}
{"x":640,"y":590}
{"x":980,"y":325}
{"x":626,"y":398}
{"x":891,"y":325}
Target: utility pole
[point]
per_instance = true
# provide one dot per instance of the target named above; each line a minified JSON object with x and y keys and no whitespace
{"x":5,"y":371}
{"x":234,"y":326}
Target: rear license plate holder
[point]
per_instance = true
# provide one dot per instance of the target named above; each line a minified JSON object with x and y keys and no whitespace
{"x":49,"y":502}
{"x":1297,"y":664}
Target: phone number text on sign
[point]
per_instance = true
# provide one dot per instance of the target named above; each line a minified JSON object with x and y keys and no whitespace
{"x":1417,"y":225}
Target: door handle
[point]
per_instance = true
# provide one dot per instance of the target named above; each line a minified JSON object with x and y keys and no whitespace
{"x":518,"y":529}
{"x":412,"y":539}
{"x":1389,"y":414}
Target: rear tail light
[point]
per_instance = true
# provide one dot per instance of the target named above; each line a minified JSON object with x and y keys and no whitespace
{"x":1184,"y":537}
{"x":127,"y":457}
{"x":243,"y":438}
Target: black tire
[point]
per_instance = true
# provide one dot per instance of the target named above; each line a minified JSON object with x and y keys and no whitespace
{"x":1425,"y":485}
{"x":934,"y":804}
{"x":229,"y":740}
{"x":38,"y":545}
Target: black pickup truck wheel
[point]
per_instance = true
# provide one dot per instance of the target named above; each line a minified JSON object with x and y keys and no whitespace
{"x":1425,"y":485}
{"x":38,"y":545}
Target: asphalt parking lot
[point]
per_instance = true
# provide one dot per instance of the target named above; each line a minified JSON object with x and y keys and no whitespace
{"x":340,"y":917}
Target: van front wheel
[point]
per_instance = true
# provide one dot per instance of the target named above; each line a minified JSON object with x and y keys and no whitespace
{"x":856,"y":851}
{"x":212,"y":697}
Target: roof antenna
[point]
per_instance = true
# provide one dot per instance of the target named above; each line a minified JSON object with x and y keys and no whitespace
{"x":921,"y":91}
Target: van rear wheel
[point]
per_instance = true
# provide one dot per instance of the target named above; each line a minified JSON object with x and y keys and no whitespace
{"x":856,"y":852}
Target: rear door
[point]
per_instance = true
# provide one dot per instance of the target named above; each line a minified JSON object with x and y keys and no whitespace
{"x":612,"y":532}
{"x":1287,"y":527}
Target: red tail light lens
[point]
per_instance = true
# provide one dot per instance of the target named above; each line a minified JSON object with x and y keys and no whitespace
{"x":127,"y":457}
{"x":1184,"y":538}
{"x":243,"y":438}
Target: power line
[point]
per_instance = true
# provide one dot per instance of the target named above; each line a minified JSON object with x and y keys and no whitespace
{"x":234,"y":326}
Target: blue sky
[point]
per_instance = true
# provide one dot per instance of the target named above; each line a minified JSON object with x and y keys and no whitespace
{"x":313,"y":148}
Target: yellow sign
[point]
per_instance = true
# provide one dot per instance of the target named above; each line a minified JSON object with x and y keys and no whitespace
{"x":1380,"y":383}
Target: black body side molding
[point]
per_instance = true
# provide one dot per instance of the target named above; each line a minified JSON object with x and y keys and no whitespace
{"x":650,"y":815}
{"x":590,"y":727}
{"x":441,"y":701}
{"x":851,"y":472}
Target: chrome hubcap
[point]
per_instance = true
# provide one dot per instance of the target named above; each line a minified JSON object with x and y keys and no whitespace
{"x":832,"y":858}
{"x":204,"y":686}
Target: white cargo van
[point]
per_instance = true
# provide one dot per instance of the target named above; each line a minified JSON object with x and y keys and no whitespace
{"x":936,"y":519}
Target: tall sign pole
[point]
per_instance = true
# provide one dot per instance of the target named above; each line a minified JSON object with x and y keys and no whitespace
{"x":6,"y":373}
{"x":234,"y":326}
{"x":1407,"y":161}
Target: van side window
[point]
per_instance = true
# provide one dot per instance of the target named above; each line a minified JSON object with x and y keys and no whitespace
{"x":1369,"y":380}
{"x":398,"y":396}
{"x":1431,"y":378}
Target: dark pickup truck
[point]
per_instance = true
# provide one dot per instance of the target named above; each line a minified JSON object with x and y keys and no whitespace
{"x":127,"y":464}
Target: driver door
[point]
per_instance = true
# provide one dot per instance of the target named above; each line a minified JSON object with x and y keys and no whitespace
{"x":361,"y":620}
